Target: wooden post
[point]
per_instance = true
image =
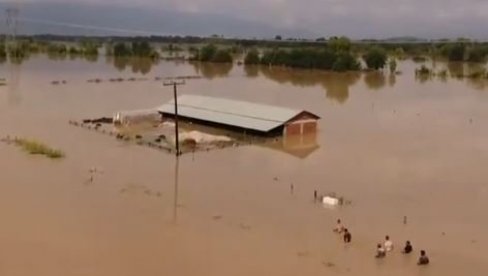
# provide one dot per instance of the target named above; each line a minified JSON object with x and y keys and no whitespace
{"x":175,"y":100}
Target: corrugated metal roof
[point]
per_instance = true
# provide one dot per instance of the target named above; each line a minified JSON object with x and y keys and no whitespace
{"x":230,"y":112}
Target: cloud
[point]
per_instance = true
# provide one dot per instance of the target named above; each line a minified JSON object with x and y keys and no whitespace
{"x":356,"y":18}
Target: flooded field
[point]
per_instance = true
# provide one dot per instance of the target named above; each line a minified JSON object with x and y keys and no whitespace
{"x":394,"y":146}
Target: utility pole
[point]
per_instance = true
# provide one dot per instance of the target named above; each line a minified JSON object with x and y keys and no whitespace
{"x":175,"y":85}
{"x":12,"y":22}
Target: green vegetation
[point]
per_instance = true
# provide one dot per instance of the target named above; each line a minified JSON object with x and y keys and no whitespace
{"x":346,"y":62}
{"x":375,"y":58}
{"x":332,"y":53}
{"x":339,"y":44}
{"x":461,"y":51}
{"x":419,"y":59}
{"x":210,"y":53}
{"x":35,"y":147}
{"x":399,"y":53}
{"x":454,"y":52}
{"x":17,"y":52}
{"x":3,"y":51}
{"x":324,"y":59}
{"x":57,"y":49}
{"x":171,"y":48}
{"x":135,"y":49}
{"x":89,"y":48}
{"x":252,"y":57}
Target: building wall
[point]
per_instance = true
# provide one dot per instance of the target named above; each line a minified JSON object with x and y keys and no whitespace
{"x":300,"y":127}
{"x":309,"y":127}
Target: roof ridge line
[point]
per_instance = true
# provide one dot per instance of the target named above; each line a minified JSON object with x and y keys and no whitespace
{"x":231,"y":113}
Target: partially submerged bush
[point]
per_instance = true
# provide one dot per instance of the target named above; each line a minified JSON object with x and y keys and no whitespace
{"x":423,"y":71}
{"x":35,"y":147}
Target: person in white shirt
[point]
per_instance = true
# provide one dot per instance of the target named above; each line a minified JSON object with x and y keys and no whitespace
{"x":388,"y":244}
{"x":380,"y":251}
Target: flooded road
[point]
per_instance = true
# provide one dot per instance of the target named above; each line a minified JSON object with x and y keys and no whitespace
{"x":394,"y":145}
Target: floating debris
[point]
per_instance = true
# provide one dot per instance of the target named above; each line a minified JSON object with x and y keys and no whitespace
{"x":329,"y":264}
{"x":303,"y":254}
{"x":245,"y":226}
{"x":332,"y":201}
{"x":95,"y":81}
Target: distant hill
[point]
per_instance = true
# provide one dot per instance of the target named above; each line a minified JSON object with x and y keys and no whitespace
{"x":91,"y":19}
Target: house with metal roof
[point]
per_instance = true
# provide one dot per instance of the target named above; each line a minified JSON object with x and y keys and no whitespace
{"x":241,"y":116}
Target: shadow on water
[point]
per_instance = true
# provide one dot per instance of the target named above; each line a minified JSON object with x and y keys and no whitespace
{"x":336,"y":85}
{"x":212,"y":70}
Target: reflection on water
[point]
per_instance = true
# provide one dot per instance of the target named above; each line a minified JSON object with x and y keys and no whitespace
{"x":300,"y":146}
{"x":18,"y":60}
{"x":212,"y":70}
{"x":176,"y":187}
{"x":252,"y":71}
{"x":423,"y":78}
{"x":456,"y":69}
{"x":58,"y":56}
{"x":375,"y":80}
{"x":336,"y":85}
{"x":14,"y":96}
{"x":65,"y":56}
{"x":136,"y":64}
{"x":392,"y":80}
{"x":474,"y":74}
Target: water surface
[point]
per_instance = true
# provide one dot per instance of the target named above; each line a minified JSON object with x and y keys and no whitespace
{"x":394,"y":145}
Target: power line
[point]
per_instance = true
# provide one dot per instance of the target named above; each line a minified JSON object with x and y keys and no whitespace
{"x":12,"y":22}
{"x":88,"y":27}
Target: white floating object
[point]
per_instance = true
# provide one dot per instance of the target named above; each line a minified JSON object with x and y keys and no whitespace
{"x":202,"y":138}
{"x":330,"y":200}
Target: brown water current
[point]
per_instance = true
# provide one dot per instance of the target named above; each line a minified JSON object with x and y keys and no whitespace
{"x":394,"y":145}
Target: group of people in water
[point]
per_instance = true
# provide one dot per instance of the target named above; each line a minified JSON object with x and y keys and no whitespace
{"x":382,"y":248}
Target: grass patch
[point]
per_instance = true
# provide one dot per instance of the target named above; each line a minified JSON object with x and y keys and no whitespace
{"x":35,"y":147}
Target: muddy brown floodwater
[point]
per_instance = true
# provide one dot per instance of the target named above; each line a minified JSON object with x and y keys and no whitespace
{"x":395,"y":146}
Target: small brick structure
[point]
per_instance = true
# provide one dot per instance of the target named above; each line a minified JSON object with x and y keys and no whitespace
{"x":303,"y":124}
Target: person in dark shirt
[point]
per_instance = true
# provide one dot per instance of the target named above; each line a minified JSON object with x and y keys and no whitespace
{"x":347,"y":236}
{"x":408,"y":248}
{"x":423,"y":260}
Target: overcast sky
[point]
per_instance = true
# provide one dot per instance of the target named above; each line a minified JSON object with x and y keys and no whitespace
{"x":355,"y":18}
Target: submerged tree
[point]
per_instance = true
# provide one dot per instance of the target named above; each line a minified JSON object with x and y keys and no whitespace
{"x":210,"y":53}
{"x":346,"y":62}
{"x":252,"y":57}
{"x":337,"y":44}
{"x":375,"y":58}
{"x":222,"y":56}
